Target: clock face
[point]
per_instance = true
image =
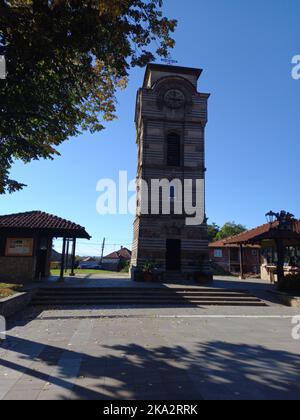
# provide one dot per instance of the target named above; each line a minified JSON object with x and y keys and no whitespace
{"x":174,"y":98}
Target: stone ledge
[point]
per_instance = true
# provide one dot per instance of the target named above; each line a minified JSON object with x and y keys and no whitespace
{"x":287,"y":299}
{"x":13,"y":304}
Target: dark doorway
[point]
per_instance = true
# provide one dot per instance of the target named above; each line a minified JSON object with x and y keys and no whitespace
{"x":173,"y":256}
{"x":41,"y":261}
{"x":234,"y":254}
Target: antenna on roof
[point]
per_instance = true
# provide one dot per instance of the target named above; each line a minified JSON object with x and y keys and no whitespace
{"x":169,"y":60}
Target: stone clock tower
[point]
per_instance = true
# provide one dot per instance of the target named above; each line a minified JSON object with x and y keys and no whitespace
{"x":171,"y":116}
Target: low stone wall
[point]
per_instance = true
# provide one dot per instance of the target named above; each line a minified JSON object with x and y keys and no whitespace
{"x":13,"y":304}
{"x":287,"y":299}
{"x":292,"y":301}
{"x":17,"y":269}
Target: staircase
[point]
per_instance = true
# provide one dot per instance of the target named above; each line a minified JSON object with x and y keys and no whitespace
{"x":144,"y":297}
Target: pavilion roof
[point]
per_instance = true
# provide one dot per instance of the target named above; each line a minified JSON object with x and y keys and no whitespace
{"x":43,"y":222}
{"x":264,"y":232}
{"x":223,"y":244}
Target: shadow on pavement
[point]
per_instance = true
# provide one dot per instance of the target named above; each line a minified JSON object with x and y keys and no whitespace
{"x":214,"y":370}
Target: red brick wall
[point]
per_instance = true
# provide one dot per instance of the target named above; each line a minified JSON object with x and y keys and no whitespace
{"x":222,"y":261}
{"x":230,"y":259}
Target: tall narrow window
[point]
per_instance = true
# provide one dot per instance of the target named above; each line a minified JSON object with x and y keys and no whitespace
{"x":173,"y":150}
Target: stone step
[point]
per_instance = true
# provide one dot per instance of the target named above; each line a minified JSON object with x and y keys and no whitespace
{"x":131,"y":291}
{"x":144,"y":296}
{"x":149,"y":304}
{"x":141,"y":293}
{"x":146,"y":299}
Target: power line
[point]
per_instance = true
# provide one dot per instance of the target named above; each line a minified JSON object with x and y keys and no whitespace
{"x":98,"y":243}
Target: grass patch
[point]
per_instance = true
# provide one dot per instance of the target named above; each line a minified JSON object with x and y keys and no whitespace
{"x":84,"y":272}
{"x":7,"y":289}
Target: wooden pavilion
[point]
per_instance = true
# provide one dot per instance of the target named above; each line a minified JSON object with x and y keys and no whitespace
{"x":26,"y":245}
{"x":276,"y":236}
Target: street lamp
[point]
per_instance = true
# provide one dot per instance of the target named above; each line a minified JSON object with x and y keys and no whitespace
{"x":271,"y":217}
{"x":285,"y":222}
{"x":284,"y":218}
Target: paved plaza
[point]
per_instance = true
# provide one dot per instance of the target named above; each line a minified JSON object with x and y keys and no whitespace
{"x":143,"y":353}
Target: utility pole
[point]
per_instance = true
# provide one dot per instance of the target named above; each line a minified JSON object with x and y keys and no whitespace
{"x":102,"y":252}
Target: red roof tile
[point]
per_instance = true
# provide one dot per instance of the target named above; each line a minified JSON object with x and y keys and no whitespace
{"x":38,"y":220}
{"x":112,"y":256}
{"x":250,"y":235}
{"x":125,"y":253}
{"x":223,"y":244}
{"x":122,"y":253}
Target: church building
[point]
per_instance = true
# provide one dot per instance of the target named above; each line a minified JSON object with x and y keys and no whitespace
{"x":171,"y":116}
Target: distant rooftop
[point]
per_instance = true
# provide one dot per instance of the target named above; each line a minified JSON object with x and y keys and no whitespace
{"x":122,"y":253}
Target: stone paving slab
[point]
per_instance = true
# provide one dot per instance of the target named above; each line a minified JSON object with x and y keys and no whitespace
{"x":164,"y":354}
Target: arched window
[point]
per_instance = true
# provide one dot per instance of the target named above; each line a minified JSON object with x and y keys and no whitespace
{"x":173,"y":150}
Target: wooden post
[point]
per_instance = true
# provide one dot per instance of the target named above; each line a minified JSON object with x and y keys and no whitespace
{"x":242,"y":275}
{"x":72,"y":274}
{"x":63,"y":257}
{"x":67,"y":255}
{"x":280,"y":262}
{"x":259,"y":261}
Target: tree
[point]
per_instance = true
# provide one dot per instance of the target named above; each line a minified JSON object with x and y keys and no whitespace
{"x":230,"y":229}
{"x":213,"y":230}
{"x":65,"y":60}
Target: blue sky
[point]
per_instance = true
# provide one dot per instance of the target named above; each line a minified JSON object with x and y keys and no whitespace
{"x":252,"y":140}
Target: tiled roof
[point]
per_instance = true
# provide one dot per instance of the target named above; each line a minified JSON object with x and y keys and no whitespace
{"x":112,"y":256}
{"x":122,"y":253}
{"x":223,"y":243}
{"x":125,"y":253}
{"x":250,"y":235}
{"x":38,"y":220}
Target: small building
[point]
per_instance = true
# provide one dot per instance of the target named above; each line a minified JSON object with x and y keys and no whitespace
{"x":227,"y":257}
{"x":255,"y":251}
{"x":115,"y":260}
{"x":267,"y":237}
{"x":26,"y":244}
